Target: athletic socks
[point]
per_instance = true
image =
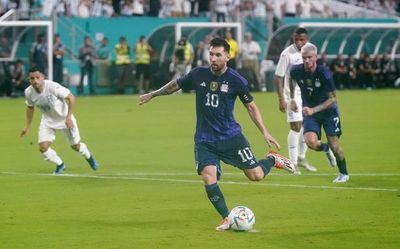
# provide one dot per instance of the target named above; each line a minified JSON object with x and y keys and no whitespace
{"x":83,"y":149}
{"x":217,"y":199}
{"x":267,"y":164}
{"x":342,"y":166}
{"x":302,"y":149}
{"x":324,"y":147}
{"x":51,"y":156}
{"x":293,"y":143}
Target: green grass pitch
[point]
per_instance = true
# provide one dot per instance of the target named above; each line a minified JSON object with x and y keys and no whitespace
{"x":146,"y":193}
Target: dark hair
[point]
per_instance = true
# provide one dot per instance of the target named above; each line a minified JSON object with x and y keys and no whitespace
{"x":35,"y":69}
{"x":219,"y":42}
{"x":301,"y":31}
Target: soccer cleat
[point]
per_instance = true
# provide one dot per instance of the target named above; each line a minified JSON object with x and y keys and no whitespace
{"x":304,"y":163}
{"x":297,"y":171}
{"x":224,"y":225}
{"x":331,"y":157}
{"x":93,"y":163}
{"x":59,"y":169}
{"x":341,"y":178}
{"x":282,"y":162}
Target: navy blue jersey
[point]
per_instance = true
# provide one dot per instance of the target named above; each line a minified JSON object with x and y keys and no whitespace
{"x":215,"y":100}
{"x":314,"y":87}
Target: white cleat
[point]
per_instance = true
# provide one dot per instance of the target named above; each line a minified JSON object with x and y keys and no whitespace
{"x":331,"y":158}
{"x":341,"y":178}
{"x":224,"y":225}
{"x":297,"y":171}
{"x":304,"y":163}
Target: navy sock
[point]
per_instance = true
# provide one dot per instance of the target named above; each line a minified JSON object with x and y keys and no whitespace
{"x":342,"y":166}
{"x":324,"y":147}
{"x":217,"y":199}
{"x":267,"y":164}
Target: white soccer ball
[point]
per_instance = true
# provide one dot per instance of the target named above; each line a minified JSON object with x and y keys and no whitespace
{"x":241,"y":218}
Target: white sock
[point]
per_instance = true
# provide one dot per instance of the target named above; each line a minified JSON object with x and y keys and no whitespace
{"x":83,"y":149}
{"x":293,"y":142}
{"x":51,"y":156}
{"x":302,"y":145}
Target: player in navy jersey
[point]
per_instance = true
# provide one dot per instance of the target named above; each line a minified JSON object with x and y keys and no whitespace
{"x":218,"y":136}
{"x":319,"y":107}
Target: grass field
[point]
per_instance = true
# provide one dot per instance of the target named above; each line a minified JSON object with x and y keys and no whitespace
{"x":147,"y":195}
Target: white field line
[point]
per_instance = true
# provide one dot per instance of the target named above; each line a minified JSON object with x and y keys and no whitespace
{"x":199,"y":181}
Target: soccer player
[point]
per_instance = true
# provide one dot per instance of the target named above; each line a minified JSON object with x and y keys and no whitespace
{"x":56,"y":104}
{"x":290,"y":56}
{"x":218,"y":136}
{"x":319,"y":107}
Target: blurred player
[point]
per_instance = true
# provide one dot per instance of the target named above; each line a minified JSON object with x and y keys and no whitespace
{"x":289,"y":57}
{"x":319,"y":107}
{"x":218,"y":136}
{"x":56,"y":104}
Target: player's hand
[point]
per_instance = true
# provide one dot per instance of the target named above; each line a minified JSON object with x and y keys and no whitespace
{"x":272,"y":141}
{"x":145,"y":98}
{"x":307,"y":111}
{"x":24,"y":131}
{"x":293,"y":105}
{"x":69,"y":123}
{"x":282,"y":105}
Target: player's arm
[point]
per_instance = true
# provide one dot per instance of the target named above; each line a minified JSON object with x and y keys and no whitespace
{"x":307,"y":111}
{"x":167,"y":89}
{"x":28,"y":119}
{"x":70,"y":99}
{"x":255,"y":115}
{"x":279,"y":91}
{"x":293,"y":104}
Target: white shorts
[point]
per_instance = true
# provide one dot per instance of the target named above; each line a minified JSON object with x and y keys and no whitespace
{"x":294,"y":116}
{"x":48,"y":134}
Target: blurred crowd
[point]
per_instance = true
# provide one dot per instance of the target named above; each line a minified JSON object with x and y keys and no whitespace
{"x":221,"y":10}
{"x":365,"y":72}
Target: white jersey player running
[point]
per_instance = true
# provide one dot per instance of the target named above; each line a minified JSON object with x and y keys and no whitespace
{"x":56,"y":104}
{"x":291,"y":56}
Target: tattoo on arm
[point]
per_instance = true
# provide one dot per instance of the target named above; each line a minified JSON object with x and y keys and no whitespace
{"x":168,"y":88}
{"x":327,"y":103}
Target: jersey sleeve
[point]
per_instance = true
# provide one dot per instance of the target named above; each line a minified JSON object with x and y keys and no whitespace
{"x":28,"y":100}
{"x":243,"y":91}
{"x":59,"y":91}
{"x":282,"y":65}
{"x":187,"y":81}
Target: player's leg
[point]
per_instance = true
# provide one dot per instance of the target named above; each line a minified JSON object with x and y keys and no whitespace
{"x":341,"y":160}
{"x":46,"y":137}
{"x":312,"y":137}
{"x":74,"y":140}
{"x":293,"y":142}
{"x":302,"y":149}
{"x":332,"y":127}
{"x":207,"y":164}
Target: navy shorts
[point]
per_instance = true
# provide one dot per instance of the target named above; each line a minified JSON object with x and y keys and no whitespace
{"x":234,"y":151}
{"x":329,"y":120}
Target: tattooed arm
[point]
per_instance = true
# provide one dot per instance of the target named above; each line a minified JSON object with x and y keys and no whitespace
{"x":167,"y":89}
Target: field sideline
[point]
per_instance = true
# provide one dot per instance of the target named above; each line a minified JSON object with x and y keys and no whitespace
{"x":148,"y":195}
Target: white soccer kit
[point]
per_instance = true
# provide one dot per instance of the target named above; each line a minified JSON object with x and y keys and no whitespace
{"x":289,"y":57}
{"x":54,"y":109}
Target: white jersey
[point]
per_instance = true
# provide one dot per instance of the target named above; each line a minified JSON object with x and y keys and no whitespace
{"x":289,"y":57}
{"x":51,"y":103}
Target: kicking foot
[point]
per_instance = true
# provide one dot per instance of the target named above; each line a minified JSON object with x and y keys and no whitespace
{"x":224,"y":225}
{"x":341,"y":178}
{"x":93,"y":163}
{"x":282,"y":162}
{"x":304,"y":163}
{"x":59,"y":169}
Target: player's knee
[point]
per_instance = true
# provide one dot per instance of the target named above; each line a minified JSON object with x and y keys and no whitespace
{"x":75,"y":147}
{"x":256,"y":176}
{"x":312,"y":144}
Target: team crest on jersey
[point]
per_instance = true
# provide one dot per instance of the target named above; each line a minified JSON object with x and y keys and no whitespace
{"x":317,"y":83}
{"x":308,"y":82}
{"x":224,"y":88}
{"x":214,"y":86}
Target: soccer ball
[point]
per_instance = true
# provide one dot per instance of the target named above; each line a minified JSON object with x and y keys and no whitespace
{"x":241,"y":218}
